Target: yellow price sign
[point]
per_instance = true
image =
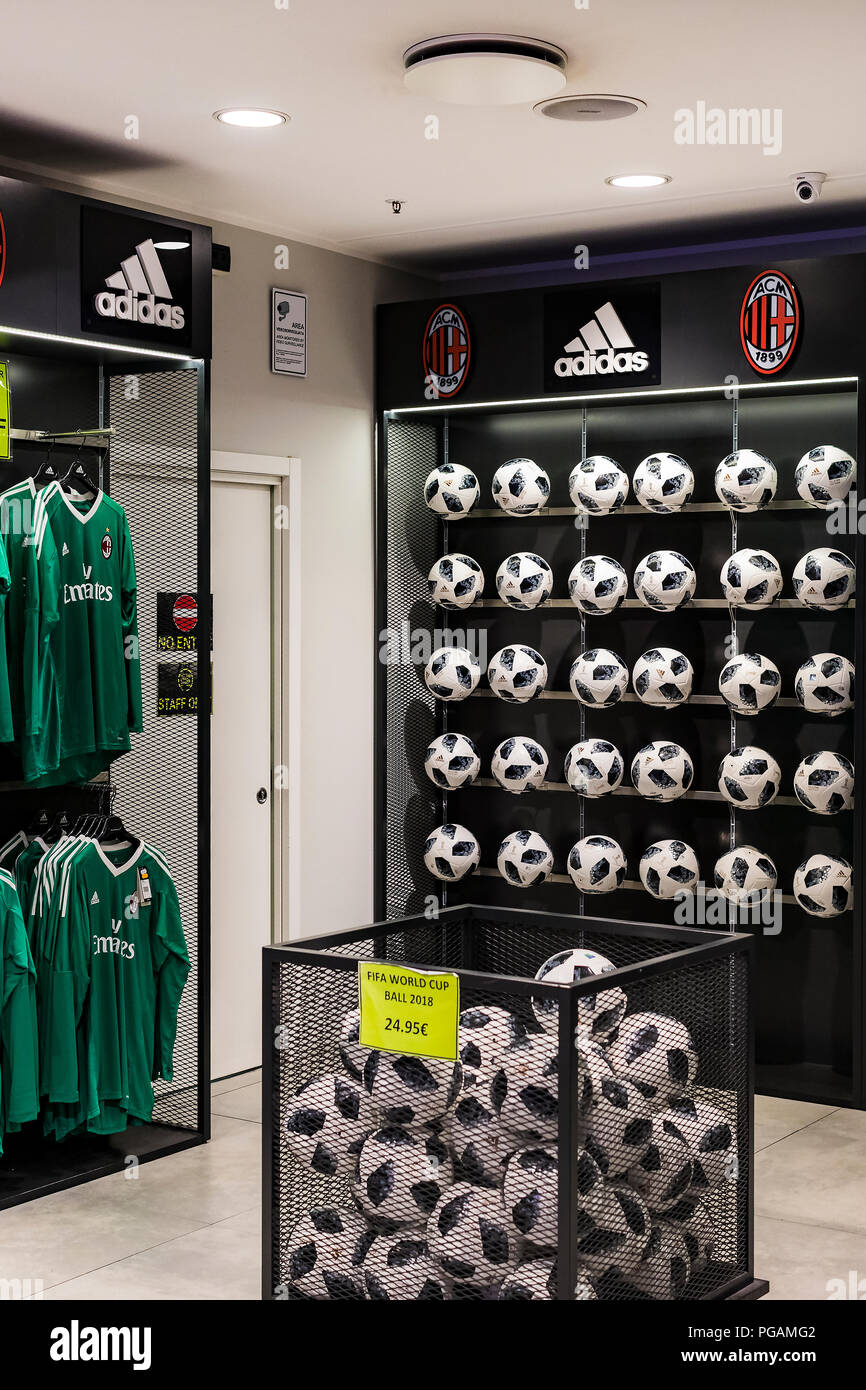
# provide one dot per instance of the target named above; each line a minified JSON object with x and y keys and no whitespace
{"x":408,"y":1010}
{"x":5,"y":413}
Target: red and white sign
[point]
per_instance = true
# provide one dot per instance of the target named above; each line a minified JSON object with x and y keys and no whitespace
{"x":185,"y":613}
{"x":770,"y":322}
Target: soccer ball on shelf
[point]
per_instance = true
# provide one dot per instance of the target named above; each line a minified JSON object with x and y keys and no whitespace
{"x":664,"y":580}
{"x":824,"y":783}
{"x":662,"y":771}
{"x":663,"y":1175}
{"x":451,"y":852}
{"x":524,"y":1090}
{"x":518,"y":764}
{"x":451,"y":490}
{"x":656,"y":1054}
{"x":597,"y":585}
{"x":750,"y":683}
{"x":710,"y":1138}
{"x":665,"y":1268}
{"x":477,"y":1143}
{"x":594,"y":767}
{"x":824,"y":579}
{"x":824,"y":475}
{"x":325,"y":1124}
{"x":597,"y":485}
{"x":525,"y":859}
{"x":471,"y":1241}
{"x":662,"y":677}
{"x":452,"y":761}
{"x":599,"y":1014}
{"x":410,"y":1091}
{"x":325,"y":1254}
{"x":824,"y":684}
{"x":452,"y":673}
{"x":744,"y":875}
{"x":596,"y":864}
{"x":668,"y":868}
{"x":746,"y":481}
{"x":822,"y":885}
{"x":663,"y":483}
{"x":517,"y":674}
{"x":485,"y":1033}
{"x":400,"y":1176}
{"x":456,"y":581}
{"x":400,"y":1267}
{"x":598,"y":678}
{"x":751,"y":579}
{"x":520,"y":487}
{"x":749,"y":778}
{"x":530,"y":1191}
{"x":613,"y":1230}
{"x":524,"y":580}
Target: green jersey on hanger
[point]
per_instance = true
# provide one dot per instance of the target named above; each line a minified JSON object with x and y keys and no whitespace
{"x":30,"y":614}
{"x":19,"y":1057}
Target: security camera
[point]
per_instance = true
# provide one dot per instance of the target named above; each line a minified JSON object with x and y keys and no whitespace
{"x":807,"y":187}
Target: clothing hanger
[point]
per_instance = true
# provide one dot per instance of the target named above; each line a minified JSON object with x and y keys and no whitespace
{"x":38,"y":825}
{"x":58,"y":828}
{"x":46,"y":472}
{"x":114,"y":829}
{"x":76,"y":472}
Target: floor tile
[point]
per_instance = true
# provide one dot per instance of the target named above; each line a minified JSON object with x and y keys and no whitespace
{"x":809,"y":1262}
{"x":245,"y":1104}
{"x":236,"y":1083}
{"x":775,"y":1118}
{"x":816,"y":1176}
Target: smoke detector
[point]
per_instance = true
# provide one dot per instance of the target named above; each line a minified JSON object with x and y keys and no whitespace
{"x":589,"y":108}
{"x":484,"y":69}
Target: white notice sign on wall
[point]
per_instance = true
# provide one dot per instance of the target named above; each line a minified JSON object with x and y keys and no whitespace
{"x":288,"y":333}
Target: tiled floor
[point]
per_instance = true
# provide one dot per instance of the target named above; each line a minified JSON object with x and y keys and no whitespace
{"x":188,"y":1226}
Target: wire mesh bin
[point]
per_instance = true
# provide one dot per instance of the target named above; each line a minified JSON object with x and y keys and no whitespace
{"x":591,"y":1140}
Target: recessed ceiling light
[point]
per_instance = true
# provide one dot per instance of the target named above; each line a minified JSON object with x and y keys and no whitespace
{"x":484,"y":69}
{"x":171,"y":245}
{"x":250,"y":116}
{"x":638,"y":180}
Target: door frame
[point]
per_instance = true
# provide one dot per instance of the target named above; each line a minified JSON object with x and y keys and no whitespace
{"x":282,"y":474}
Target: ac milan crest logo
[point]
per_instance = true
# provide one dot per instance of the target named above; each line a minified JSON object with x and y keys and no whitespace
{"x":106,"y":546}
{"x":770,"y":321}
{"x":2,"y":248}
{"x":447,"y":352}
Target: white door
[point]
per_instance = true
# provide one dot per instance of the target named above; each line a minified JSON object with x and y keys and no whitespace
{"x":241,"y":742}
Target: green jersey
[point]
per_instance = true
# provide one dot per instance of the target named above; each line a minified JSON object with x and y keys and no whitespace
{"x":19,"y":1059}
{"x":26,"y":867}
{"x":30,"y":614}
{"x":7,"y":730}
{"x":10,"y":851}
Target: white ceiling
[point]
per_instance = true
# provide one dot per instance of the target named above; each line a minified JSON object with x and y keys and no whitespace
{"x":72,"y":72}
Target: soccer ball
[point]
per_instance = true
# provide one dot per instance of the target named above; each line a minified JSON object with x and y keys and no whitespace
{"x":662,"y":771}
{"x":599,"y":1014}
{"x":668,"y":868}
{"x":485,"y":1033}
{"x":518,"y":674}
{"x":480,"y":1150}
{"x":664,"y":580}
{"x":408,"y":1090}
{"x":452,"y":673}
{"x":598,"y":678}
{"x":530,"y":1192}
{"x":520,"y":487}
{"x":824,"y":476}
{"x":656,"y":1054}
{"x":451,"y":490}
{"x":617,"y":1128}
{"x":596,"y":864}
{"x":751,"y":579}
{"x":456,"y":581}
{"x":400,"y":1176}
{"x":710,"y":1138}
{"x":825,"y":684}
{"x":451,"y":852}
{"x":613,"y":1229}
{"x":824,"y":782}
{"x":750,"y":683}
{"x":524,"y":1090}
{"x":400,"y":1267}
{"x":664,"y":1175}
{"x":452,"y":761}
{"x":598,"y":485}
{"x":749,"y":778}
{"x":824,"y":579}
{"x":518,"y":764}
{"x":592,"y":1069}
{"x":594,"y":767}
{"x":352,"y":1054}
{"x":537,"y":1280}
{"x":746,"y":481}
{"x":471,"y":1240}
{"x":325,"y":1253}
{"x":597,"y":585}
{"x":665,"y":1268}
{"x":524,"y":580}
{"x":744,"y":875}
{"x":663,"y":483}
{"x":525,"y":859}
{"x":822,"y":885}
{"x":326,"y":1123}
{"x":663,"y":677}
{"x":698,"y":1229}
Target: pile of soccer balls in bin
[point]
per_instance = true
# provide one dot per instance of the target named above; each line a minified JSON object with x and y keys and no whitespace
{"x":453,"y":1166}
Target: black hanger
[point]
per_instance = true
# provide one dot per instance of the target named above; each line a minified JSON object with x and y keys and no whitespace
{"x":76,"y":472}
{"x":58,"y":827}
{"x":114,"y":829}
{"x":38,"y":825}
{"x":46,"y":472}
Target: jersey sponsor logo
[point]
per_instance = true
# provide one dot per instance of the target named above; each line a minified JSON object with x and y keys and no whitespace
{"x":113,"y":945}
{"x":447,"y":351}
{"x":770,"y":322}
{"x":136,"y":293}
{"x":601,"y":348}
{"x":81,"y":593}
{"x":106,"y":547}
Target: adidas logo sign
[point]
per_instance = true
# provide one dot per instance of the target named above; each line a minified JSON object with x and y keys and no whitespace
{"x":95,"y":898}
{"x":601,"y":348}
{"x":133,"y":291}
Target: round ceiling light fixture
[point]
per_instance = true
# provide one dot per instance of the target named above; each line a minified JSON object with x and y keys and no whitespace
{"x":485,"y":69}
{"x":171,"y":245}
{"x":638,"y":180}
{"x":574,"y":107}
{"x":253,"y":118}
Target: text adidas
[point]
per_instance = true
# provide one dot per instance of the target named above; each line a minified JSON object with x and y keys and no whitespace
{"x":138,"y":308}
{"x":601,"y":363}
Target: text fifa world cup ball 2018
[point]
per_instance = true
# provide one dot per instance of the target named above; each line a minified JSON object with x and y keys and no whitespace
{"x":825,"y":475}
{"x":520,"y":487}
{"x":746,"y":481}
{"x":663,"y":482}
{"x":451,"y":490}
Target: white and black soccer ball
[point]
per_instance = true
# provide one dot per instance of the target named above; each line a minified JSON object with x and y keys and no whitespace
{"x":451,"y":490}
{"x":663,"y":482}
{"x":663,"y":1176}
{"x":479,"y":1146}
{"x":662,"y":771}
{"x":665,"y":1267}
{"x":593,"y":1067}
{"x":711,"y":1139}
{"x":664,"y":580}
{"x":452,"y":673}
{"x":613,"y":1230}
{"x":749,"y":778}
{"x":598,"y":1014}
{"x":524,"y":580}
{"x":517,"y":674}
{"x":325,"y":1253}
{"x":824,"y":684}
{"x":485,"y":1033}
{"x":824,"y":579}
{"x":530,"y":1193}
{"x":520,"y":487}
{"x":410,"y":1091}
{"x":325,"y":1124}
{"x":597,"y":485}
{"x":596,"y":864}
{"x":400,"y":1267}
{"x":746,"y":481}
{"x":751,"y":579}
{"x":525,"y":859}
{"x":352,"y":1054}
{"x":822,"y":885}
{"x":668,"y":868}
{"x":824,"y":783}
{"x":452,"y":761}
{"x":695,"y":1222}
{"x":598,"y":678}
{"x":750,"y":683}
{"x":451,"y":852}
{"x":662,"y":677}
{"x":524,"y":1090}
{"x":537,"y":1281}
{"x":594,"y":767}
{"x":519,"y":764}
{"x":824,"y":476}
{"x":656,"y":1054}
{"x":456,"y":581}
{"x":616,"y":1129}
{"x":401,"y":1176}
{"x":745,"y":875}
{"x":597,"y":585}
{"x":471,"y":1240}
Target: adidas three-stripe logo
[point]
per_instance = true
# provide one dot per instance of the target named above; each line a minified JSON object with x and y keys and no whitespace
{"x":138,"y":291}
{"x":602,"y":346}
